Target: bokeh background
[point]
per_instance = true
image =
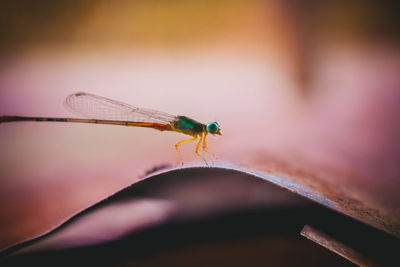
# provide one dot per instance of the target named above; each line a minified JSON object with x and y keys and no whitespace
{"x":297,"y":86}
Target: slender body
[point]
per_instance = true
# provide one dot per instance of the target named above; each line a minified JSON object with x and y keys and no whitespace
{"x":101,"y":110}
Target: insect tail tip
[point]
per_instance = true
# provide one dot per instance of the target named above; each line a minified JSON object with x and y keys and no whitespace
{"x":80,"y":94}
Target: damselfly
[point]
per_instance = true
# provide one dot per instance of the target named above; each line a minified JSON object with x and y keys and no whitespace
{"x":101,"y":110}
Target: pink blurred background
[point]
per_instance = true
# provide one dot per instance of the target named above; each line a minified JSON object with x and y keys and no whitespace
{"x":300,"y":84}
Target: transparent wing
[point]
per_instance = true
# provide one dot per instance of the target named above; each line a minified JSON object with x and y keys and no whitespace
{"x":101,"y":108}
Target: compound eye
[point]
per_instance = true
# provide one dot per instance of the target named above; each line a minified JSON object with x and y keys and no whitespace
{"x":212,"y":128}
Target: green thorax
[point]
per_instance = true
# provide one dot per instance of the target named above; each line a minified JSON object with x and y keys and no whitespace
{"x":187,"y":125}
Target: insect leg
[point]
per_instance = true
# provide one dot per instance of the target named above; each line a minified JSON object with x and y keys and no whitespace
{"x":198,"y":145}
{"x":205,"y":148}
{"x":204,"y":142}
{"x":178,"y":154}
{"x":197,"y":149}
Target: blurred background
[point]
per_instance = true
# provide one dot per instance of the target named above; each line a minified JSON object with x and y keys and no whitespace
{"x":297,"y":86}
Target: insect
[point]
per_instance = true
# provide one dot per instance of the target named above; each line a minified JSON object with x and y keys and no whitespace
{"x":101,"y":110}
